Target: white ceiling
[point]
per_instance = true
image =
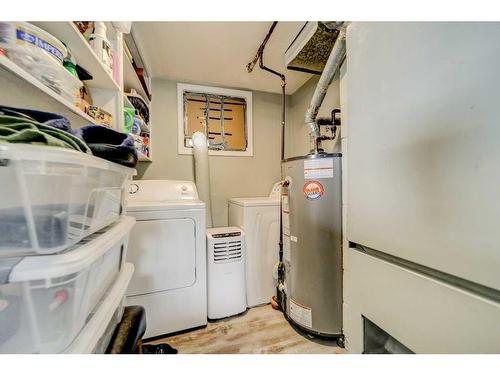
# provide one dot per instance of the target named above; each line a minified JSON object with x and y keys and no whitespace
{"x":216,"y":53}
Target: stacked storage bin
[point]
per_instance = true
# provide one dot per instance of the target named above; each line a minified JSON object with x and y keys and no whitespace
{"x":63,"y":242}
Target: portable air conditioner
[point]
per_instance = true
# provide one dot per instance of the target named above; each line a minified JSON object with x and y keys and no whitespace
{"x":226,"y":272}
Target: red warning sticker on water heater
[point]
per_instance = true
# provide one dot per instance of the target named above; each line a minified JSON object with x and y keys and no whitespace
{"x":313,"y":190}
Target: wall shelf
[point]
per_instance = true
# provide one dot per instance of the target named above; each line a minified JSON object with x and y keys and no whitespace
{"x":126,"y":102}
{"x":19,"y":78}
{"x":21,"y":89}
{"x":145,"y":128}
{"x":131,"y":80}
{"x":69,"y":34}
{"x":142,"y":157}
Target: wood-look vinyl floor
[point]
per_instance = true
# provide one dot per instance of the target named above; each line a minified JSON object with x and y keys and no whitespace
{"x":258,"y":330}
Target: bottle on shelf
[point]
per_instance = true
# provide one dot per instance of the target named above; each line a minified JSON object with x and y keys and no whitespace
{"x":70,"y":64}
{"x":101,"y":45}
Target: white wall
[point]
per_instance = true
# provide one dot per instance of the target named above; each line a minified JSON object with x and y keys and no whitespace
{"x":230,"y":176}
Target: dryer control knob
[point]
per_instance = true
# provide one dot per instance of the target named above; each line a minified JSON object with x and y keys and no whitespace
{"x":184,"y":188}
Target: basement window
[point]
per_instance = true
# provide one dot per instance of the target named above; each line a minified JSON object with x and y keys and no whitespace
{"x":223,"y":115}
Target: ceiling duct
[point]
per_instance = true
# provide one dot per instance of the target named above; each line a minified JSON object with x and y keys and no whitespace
{"x":311,"y":48}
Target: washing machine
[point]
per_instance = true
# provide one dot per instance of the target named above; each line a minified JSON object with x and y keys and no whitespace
{"x":259,"y":217}
{"x":168,"y":248}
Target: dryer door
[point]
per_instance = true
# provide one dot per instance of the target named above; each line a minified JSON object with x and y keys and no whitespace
{"x":163,"y":252}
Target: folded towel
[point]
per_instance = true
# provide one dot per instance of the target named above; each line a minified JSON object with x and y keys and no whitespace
{"x":22,"y":130}
{"x":109,"y":144}
{"x":19,"y":125}
{"x":47,"y":118}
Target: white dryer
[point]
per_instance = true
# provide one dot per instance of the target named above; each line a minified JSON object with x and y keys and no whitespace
{"x":168,"y":248}
{"x":259,"y":217}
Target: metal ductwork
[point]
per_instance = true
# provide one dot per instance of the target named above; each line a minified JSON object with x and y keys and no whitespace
{"x":311,"y":48}
{"x":332,"y":64}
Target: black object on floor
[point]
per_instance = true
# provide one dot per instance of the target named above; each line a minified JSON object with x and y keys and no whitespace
{"x":158,"y":349}
{"x":128,"y":334}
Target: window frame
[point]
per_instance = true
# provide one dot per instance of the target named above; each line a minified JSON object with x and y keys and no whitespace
{"x":247,"y":95}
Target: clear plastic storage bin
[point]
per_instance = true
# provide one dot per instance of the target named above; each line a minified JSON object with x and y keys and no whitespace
{"x":96,"y":336}
{"x":53,"y":197}
{"x":46,"y":299}
{"x":41,"y":55}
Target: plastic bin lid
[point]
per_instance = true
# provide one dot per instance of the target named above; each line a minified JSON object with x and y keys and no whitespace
{"x":73,"y":260}
{"x":19,"y":151}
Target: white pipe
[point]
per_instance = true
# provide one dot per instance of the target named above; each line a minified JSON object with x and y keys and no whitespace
{"x":324,"y":82}
{"x":202,"y":173}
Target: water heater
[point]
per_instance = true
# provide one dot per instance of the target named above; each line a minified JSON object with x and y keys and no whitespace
{"x":312,"y":242}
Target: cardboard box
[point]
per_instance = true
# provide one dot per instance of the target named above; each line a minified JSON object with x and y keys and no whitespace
{"x":101,"y":116}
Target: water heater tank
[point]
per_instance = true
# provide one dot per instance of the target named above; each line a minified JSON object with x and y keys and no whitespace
{"x":312,"y":242}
